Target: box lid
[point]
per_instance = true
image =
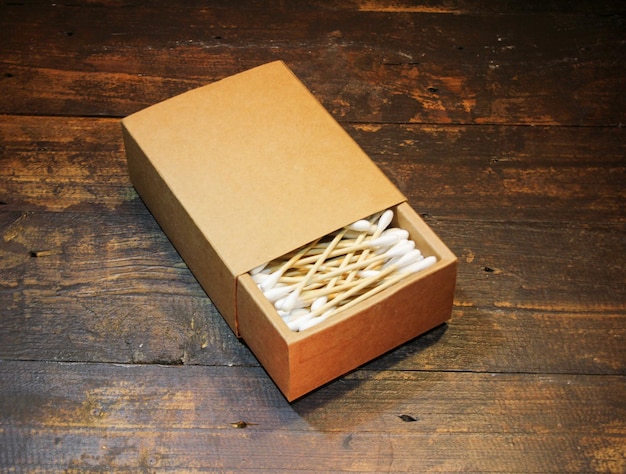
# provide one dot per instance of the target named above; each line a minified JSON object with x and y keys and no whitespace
{"x":260,"y":166}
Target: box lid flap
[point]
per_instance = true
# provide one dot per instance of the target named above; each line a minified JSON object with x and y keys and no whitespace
{"x":261,"y":167}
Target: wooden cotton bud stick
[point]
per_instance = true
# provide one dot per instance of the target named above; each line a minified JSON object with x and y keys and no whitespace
{"x":403,"y":255}
{"x":291,"y":299}
{"x":365,"y":226}
{"x":278,"y":293}
{"x":309,"y":296}
{"x":325,"y":249}
{"x":273,"y":278}
{"x":395,"y":253}
{"x":357,"y":286}
{"x":307,"y":321}
{"x":338,"y":250}
{"x":383,"y":222}
{"x":410,"y":269}
{"x":352,"y":267}
{"x":341,"y":249}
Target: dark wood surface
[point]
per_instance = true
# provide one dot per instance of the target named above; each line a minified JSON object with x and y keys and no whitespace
{"x":502,"y":122}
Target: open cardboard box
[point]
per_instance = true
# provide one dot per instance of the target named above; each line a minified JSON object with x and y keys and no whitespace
{"x":251,"y":167}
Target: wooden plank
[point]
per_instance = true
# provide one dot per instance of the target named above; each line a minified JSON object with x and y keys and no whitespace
{"x":110,"y":287}
{"x":475,"y":7}
{"x":545,"y":267}
{"x":452,"y":172}
{"x":432,"y":67}
{"x":80,"y":417}
{"x":127,"y":255}
{"x":504,"y":173}
{"x":517,"y":341}
{"x":64,"y":164}
{"x":112,"y":358}
{"x":81,"y":287}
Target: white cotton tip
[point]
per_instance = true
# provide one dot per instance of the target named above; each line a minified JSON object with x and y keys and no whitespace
{"x":394,"y":260}
{"x":420,"y":265}
{"x":290,"y":301}
{"x":309,"y":323}
{"x":401,"y":233}
{"x":384,"y":241}
{"x":259,"y":278}
{"x":402,"y":247}
{"x":291,"y":305}
{"x":277,"y":292}
{"x":258,"y":269}
{"x":409,"y":258}
{"x":360,"y":226}
{"x":270,"y":281}
{"x":319,"y":302}
{"x":391,"y":261}
{"x":295,"y":323}
{"x":385,"y":220}
{"x":368,"y":273}
{"x":293,"y":315}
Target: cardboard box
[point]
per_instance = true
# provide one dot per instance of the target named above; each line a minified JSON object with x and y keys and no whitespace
{"x":251,"y":167}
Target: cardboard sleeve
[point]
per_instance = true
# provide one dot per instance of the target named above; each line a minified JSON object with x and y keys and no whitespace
{"x":249,"y":168}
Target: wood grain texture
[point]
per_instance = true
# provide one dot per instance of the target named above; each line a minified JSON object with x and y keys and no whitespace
{"x":449,"y":171}
{"x":501,"y":123}
{"x":476,"y":67}
{"x":123,"y":285}
{"x":95,"y":416}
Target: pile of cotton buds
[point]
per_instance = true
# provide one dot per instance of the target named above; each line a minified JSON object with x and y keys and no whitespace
{"x":339,"y":271}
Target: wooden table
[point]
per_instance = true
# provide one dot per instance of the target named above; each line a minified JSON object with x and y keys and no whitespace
{"x":503,"y":126}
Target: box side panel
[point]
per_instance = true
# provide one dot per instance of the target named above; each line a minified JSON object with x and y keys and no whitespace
{"x":410,"y":311}
{"x":261,"y":333}
{"x":182,"y":231}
